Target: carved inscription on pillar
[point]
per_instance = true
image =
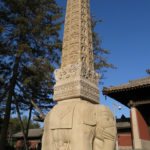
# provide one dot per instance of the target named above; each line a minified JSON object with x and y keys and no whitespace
{"x":76,"y":77}
{"x":77,"y":41}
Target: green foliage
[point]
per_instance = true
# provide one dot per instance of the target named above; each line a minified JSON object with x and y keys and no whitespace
{"x":14,"y":125}
{"x":32,"y":124}
{"x":148,"y":71}
{"x":1,"y":121}
{"x":101,"y":63}
{"x":30,"y":49}
{"x":1,"y":29}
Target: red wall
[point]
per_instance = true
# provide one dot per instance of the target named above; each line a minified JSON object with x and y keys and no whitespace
{"x":124,"y":139}
{"x":143,"y":128}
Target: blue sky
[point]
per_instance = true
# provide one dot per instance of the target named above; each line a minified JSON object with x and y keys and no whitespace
{"x":125,"y":31}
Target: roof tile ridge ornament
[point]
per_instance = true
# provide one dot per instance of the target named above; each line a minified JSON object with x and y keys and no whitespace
{"x":76,"y":78}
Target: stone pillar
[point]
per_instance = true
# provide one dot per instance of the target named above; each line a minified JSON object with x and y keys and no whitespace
{"x":76,"y":123}
{"x":76,"y":78}
{"x":77,"y":40}
{"x":135,"y":131}
{"x":140,"y":133}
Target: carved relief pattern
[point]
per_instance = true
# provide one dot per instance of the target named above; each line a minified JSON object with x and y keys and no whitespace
{"x":77,"y":41}
{"x":66,"y":37}
{"x":86,"y":35}
{"x":76,"y":80}
{"x":75,"y":71}
{"x":71,"y":51}
{"x":66,"y":90}
{"x":76,"y":89}
{"x":76,"y":77}
{"x":74,"y":123}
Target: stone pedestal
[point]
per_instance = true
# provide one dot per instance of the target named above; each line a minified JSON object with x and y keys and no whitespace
{"x":76,"y":81}
{"x":76,"y":124}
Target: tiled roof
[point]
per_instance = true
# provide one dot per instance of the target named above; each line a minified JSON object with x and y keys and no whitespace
{"x":123,"y":125}
{"x":33,"y":133}
{"x":133,"y":84}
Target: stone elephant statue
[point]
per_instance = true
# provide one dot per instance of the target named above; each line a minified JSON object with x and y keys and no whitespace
{"x":79,"y":125}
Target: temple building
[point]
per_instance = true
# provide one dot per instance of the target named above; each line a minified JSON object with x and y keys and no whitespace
{"x":34,"y":139}
{"x":133,"y":132}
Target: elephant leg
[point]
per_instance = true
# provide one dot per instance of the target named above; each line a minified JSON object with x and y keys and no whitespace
{"x":62,"y":140}
{"x":98,"y":144}
{"x":105,"y":129}
{"x":47,"y":140}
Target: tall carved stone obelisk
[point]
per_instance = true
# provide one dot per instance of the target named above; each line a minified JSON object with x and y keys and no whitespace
{"x":76,"y":78}
{"x":75,"y":122}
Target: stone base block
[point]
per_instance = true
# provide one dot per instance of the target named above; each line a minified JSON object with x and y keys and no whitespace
{"x":76,"y":89}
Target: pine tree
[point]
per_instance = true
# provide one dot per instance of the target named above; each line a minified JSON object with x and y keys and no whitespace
{"x":30,"y":50}
{"x":148,"y":71}
{"x":14,"y":125}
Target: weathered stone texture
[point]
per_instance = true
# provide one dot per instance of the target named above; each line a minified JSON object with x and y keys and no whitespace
{"x":75,"y":123}
{"x":77,"y":41}
{"x":79,"y":125}
{"x":76,"y":78}
{"x":76,"y":81}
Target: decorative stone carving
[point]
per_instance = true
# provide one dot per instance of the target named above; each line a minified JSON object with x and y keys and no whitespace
{"x":76,"y":80}
{"x":79,"y":125}
{"x":76,"y":122}
{"x":77,"y":30}
{"x":75,"y":71}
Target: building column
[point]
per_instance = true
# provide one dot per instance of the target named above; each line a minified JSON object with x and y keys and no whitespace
{"x":135,"y":129}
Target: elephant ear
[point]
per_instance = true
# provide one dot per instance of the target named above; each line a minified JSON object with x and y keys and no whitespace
{"x":61,"y":116}
{"x":89,"y":115}
{"x":106,"y":124}
{"x":104,"y":116}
